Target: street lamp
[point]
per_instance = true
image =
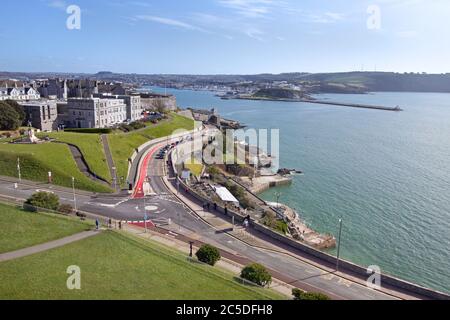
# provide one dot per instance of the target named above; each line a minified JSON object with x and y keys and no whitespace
{"x":278,"y":195}
{"x":114,"y":177}
{"x":191,"y":243}
{"x":339,"y":245}
{"x":74,"y":196}
{"x":18,"y":169}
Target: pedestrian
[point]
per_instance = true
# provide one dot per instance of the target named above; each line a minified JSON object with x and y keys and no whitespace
{"x":226,"y":211}
{"x":96,"y":224}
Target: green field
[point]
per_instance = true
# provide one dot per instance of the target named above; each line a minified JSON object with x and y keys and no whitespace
{"x":20,"y":229}
{"x":123,"y":145}
{"x":91,"y":147}
{"x":36,"y":160}
{"x":116,"y":266}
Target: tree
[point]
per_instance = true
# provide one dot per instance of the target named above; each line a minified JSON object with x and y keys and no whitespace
{"x":45,"y":200}
{"x":302,"y":295}
{"x":257,"y":273}
{"x":208,"y":254}
{"x":19,"y":109}
{"x":9,"y":118}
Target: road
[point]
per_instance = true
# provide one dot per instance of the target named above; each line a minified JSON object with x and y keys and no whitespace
{"x":161,"y":205}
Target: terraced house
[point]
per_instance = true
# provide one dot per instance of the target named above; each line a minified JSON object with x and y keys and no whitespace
{"x":18,"y":93}
{"x":95,"y":112}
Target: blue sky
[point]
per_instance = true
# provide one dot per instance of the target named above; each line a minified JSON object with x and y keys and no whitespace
{"x":226,"y":36}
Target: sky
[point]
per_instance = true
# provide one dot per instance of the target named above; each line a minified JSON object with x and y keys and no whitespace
{"x":225,"y":36}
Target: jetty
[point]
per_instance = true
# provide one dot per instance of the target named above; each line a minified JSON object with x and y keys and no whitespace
{"x":354,"y":105}
{"x":312,"y":100}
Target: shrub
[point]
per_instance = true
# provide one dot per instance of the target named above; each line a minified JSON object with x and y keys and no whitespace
{"x":257,"y":273}
{"x":301,"y":295}
{"x":208,"y":254}
{"x":65,"y":209}
{"x":44,"y":200}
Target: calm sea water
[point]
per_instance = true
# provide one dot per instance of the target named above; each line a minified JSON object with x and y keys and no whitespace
{"x":386,"y":174}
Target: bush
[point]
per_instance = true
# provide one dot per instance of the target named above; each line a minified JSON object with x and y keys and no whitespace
{"x":257,"y":273}
{"x":208,"y":254}
{"x":65,"y":209}
{"x":44,"y":200}
{"x":301,"y":295}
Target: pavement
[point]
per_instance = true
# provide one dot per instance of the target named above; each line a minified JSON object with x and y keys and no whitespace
{"x":46,"y":246}
{"x":110,"y":161}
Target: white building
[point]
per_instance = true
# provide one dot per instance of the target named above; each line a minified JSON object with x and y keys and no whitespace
{"x":19,"y":93}
{"x":95,"y":112}
{"x":134,"y":106}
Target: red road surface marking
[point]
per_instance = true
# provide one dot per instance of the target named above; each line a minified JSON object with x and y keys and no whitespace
{"x":143,"y":171}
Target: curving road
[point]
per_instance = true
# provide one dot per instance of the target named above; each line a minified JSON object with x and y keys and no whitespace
{"x":162,"y":206}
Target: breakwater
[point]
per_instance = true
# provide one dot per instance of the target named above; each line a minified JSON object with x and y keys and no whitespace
{"x":354,"y":105}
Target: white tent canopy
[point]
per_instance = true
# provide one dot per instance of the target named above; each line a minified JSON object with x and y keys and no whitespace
{"x":226,"y":195}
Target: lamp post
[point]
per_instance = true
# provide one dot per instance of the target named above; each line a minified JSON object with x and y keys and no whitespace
{"x":278,"y":195}
{"x":114,"y":177}
{"x":191,"y":243}
{"x":18,"y":169}
{"x":339,"y":245}
{"x":74,"y":196}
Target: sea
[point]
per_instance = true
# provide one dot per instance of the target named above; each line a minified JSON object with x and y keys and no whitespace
{"x":385,"y":174}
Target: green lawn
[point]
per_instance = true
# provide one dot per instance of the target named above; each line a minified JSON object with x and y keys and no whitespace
{"x":122,"y":145}
{"x":20,"y":229}
{"x":38,"y":159}
{"x":115,"y":266}
{"x":91,"y":147}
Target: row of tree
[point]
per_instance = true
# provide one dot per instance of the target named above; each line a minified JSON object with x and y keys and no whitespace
{"x":12,"y":115}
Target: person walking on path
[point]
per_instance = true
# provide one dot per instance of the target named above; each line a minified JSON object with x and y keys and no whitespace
{"x":96,"y":224}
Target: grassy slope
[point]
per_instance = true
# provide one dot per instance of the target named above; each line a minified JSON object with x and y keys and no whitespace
{"x":38,"y":160}
{"x":20,"y":229}
{"x":92,"y":149}
{"x":123,"y":145}
{"x":115,"y":266}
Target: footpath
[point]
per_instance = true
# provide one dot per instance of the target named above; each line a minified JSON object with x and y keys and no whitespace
{"x":46,"y":246}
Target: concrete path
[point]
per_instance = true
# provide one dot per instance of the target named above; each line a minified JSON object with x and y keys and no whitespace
{"x":46,"y":246}
{"x":110,"y":161}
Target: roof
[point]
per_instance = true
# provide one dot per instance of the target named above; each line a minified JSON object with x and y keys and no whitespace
{"x":225,"y":195}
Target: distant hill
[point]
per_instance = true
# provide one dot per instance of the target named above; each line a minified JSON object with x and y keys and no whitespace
{"x":344,"y":82}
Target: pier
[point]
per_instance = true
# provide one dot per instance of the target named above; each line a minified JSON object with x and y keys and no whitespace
{"x":354,"y":105}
